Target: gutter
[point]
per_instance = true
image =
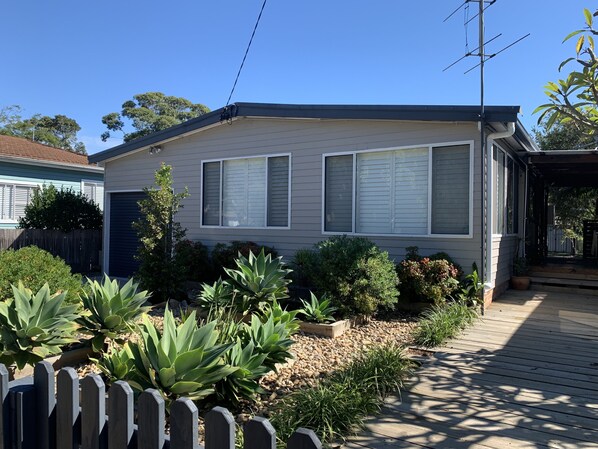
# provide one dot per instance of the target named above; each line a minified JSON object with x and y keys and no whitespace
{"x":51,"y":164}
{"x":490,"y":196}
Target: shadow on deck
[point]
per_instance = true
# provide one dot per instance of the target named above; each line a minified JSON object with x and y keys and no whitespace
{"x":525,"y":376}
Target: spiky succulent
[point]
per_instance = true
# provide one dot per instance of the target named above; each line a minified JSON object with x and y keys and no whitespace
{"x":111,"y":310}
{"x":317,"y":310}
{"x":34,"y":326}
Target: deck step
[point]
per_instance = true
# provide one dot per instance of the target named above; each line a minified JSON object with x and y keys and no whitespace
{"x":564,"y":281}
{"x":557,"y":275}
{"x":564,"y":289}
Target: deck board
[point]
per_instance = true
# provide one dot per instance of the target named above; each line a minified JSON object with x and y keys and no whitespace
{"x":524,"y":376}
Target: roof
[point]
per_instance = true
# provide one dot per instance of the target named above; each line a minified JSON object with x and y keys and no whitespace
{"x":567,"y":168}
{"x":20,"y":149}
{"x":493,"y":114}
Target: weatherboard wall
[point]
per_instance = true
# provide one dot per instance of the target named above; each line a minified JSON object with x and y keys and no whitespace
{"x":38,"y":175}
{"x":306,"y":141}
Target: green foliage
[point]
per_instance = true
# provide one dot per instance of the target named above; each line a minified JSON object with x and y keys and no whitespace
{"x":353,"y":273}
{"x":336,"y":407}
{"x":183,"y":360}
{"x":61,"y":210}
{"x":471,"y":288}
{"x":117,"y":364}
{"x":219,"y":295}
{"x":281,"y":316}
{"x":257,"y":281}
{"x":151,"y":112}
{"x":112,"y":310}
{"x":317,"y":310}
{"x":272,"y":340}
{"x":36,"y":267}
{"x":225,"y":255}
{"x":34,"y":326}
{"x":443,"y":322}
{"x":426,"y":280}
{"x":520,"y":266}
{"x":193,"y":259}
{"x":574,"y":100}
{"x":159,"y":270}
{"x":59,"y":131}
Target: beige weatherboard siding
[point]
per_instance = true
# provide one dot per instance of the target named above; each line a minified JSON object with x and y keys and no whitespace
{"x":305,"y":141}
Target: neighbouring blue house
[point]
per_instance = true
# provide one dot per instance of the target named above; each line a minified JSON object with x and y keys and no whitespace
{"x":25,"y":165}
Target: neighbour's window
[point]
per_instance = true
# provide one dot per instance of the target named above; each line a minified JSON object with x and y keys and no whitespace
{"x":506,"y":195}
{"x":412,"y":191}
{"x":94,"y":191}
{"x":251,"y":192}
{"x":13,"y":200}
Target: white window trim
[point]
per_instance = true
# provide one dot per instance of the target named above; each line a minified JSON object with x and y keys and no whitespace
{"x":221,"y":160}
{"x":429,"y":234}
{"x":17,"y":183}
{"x":91,"y":181}
{"x":507,"y":155}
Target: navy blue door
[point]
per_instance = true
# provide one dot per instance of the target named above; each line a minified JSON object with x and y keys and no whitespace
{"x":124,"y":210}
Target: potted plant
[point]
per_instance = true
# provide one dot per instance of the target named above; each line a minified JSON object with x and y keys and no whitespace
{"x":520,"y":279}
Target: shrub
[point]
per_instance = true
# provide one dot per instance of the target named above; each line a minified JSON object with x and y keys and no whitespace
{"x":336,"y":407}
{"x":194,"y":261}
{"x":224,"y":255}
{"x":426,"y":280}
{"x":159,"y":234}
{"x":111,"y":310}
{"x":62,"y":210}
{"x":444,"y":256}
{"x":355,"y":274}
{"x":34,"y":326}
{"x":441,"y":323}
{"x":36,"y":267}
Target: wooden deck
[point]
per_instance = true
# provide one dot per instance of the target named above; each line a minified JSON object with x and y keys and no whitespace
{"x":525,"y":376}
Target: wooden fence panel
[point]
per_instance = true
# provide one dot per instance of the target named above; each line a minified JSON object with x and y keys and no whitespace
{"x":80,"y":248}
{"x":73,"y":416}
{"x":43,"y":381}
{"x":220,"y":429}
{"x":68,"y":433}
{"x":120,"y":406}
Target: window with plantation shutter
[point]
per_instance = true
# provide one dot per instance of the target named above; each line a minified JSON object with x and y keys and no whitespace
{"x":250,"y":192}
{"x":95,"y":192}
{"x":409,"y":191}
{"x":13,"y":200}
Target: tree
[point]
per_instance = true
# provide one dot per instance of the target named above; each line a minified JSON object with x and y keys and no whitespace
{"x":159,"y":234}
{"x":62,"y":210}
{"x":151,"y":112}
{"x":59,"y":131}
{"x":574,"y":100}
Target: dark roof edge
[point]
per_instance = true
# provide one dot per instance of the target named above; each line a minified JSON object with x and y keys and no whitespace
{"x":435,"y":113}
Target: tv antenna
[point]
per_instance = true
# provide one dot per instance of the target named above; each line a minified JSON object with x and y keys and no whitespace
{"x":480,"y":52}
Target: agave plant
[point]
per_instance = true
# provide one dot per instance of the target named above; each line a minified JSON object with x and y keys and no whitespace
{"x":183,"y":360}
{"x":257,"y":281}
{"x":117,"y":364}
{"x":219,"y":295}
{"x":34,"y":326}
{"x":318,"y":310}
{"x":282,"y":316}
{"x":269,"y":339}
{"x":111,"y":310}
{"x":243,"y":383}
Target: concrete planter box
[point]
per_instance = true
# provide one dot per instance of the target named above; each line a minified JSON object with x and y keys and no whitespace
{"x":68,"y":358}
{"x":329,"y":330}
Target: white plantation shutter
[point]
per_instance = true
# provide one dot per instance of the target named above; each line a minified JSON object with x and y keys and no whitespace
{"x":22,"y":197}
{"x":374,"y":196}
{"x":244,"y":192}
{"x":89,"y":190}
{"x":410,"y":211}
{"x":6,"y":202}
{"x":95,"y":192}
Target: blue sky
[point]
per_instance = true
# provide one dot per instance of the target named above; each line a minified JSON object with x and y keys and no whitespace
{"x":84,"y":59}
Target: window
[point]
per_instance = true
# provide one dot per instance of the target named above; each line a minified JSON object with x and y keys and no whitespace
{"x":94,"y":191}
{"x":13,"y":200}
{"x":506,"y":195}
{"x":410,"y":191}
{"x":251,"y":192}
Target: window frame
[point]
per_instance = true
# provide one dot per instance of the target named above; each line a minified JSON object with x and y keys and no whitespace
{"x":14,"y":185}
{"x":96,"y":183}
{"x":516,"y":199}
{"x":221,"y":161}
{"x":430,"y":147}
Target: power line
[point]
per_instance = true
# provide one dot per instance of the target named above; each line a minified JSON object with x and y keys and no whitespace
{"x":257,"y":22}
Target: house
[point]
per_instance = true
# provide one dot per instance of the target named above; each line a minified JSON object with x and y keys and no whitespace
{"x":289,"y":176}
{"x":25,"y":165}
